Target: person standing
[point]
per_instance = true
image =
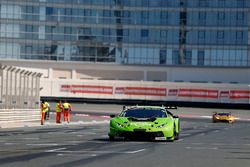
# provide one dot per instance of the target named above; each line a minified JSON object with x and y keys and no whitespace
{"x":66,"y":111}
{"x":59,"y":108}
{"x":44,"y":109}
{"x":48,"y":110}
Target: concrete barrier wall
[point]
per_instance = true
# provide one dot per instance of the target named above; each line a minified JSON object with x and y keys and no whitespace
{"x":141,"y":90}
{"x":19,"y":117}
{"x":19,"y":96}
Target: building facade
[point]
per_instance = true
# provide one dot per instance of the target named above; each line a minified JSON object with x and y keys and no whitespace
{"x":198,"y":33}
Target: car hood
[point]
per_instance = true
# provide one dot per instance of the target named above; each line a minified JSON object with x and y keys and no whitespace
{"x":141,"y":122}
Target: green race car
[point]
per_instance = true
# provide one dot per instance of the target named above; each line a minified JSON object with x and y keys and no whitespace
{"x":145,"y":122}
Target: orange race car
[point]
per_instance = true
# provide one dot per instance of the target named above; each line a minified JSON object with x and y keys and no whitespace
{"x":223,"y":117}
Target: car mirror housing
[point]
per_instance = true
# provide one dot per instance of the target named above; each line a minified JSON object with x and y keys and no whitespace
{"x":175,"y":116}
{"x":112,"y":116}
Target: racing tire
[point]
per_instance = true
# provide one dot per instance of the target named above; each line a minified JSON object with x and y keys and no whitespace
{"x":111,"y":138}
{"x":176,"y":134}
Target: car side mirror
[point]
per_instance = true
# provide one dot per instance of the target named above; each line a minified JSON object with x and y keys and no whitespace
{"x":112,"y":116}
{"x":175,"y":116}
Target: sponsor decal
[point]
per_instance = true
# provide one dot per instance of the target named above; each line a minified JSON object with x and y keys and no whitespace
{"x":172,"y":92}
{"x":224,"y":94}
{"x":92,"y":89}
{"x":198,"y":93}
{"x":146,"y":91}
{"x":239,"y":94}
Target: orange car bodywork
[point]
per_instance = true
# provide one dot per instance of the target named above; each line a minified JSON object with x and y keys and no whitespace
{"x":223,"y":117}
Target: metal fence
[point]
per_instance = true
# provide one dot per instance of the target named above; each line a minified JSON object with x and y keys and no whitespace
{"x":19,"y":89}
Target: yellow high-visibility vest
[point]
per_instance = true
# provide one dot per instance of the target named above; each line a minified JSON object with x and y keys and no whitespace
{"x":44,"y":107}
{"x":66,"y":106}
{"x":58,"y":107}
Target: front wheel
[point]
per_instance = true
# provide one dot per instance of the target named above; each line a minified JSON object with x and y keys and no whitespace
{"x":176,"y":134}
{"x":111,"y":138}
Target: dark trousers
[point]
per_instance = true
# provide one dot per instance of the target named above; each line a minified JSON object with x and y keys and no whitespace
{"x":47,"y":115}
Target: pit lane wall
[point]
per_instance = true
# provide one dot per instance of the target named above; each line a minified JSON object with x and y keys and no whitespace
{"x":141,"y":90}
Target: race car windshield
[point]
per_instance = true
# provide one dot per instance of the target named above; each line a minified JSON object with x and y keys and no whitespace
{"x":223,"y":114}
{"x":145,"y":113}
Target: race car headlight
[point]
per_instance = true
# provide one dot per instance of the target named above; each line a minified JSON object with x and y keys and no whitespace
{"x":119,"y":125}
{"x":161,"y":126}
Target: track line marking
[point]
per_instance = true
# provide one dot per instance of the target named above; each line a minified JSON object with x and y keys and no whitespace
{"x":10,"y":143}
{"x":180,"y":140}
{"x":43,"y":144}
{"x":56,"y":150}
{"x":31,"y":138}
{"x":63,"y":151}
{"x":202,"y":148}
{"x":77,"y":155}
{"x":133,"y":152}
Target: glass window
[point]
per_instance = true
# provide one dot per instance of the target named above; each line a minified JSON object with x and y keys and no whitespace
{"x":28,"y":49}
{"x":175,"y":57}
{"x":240,"y":15}
{"x":239,"y":35}
{"x":29,"y":28}
{"x":202,"y":18}
{"x":67,"y":32}
{"x":188,"y":57}
{"x":144,"y":113}
{"x":202,"y":15}
{"x":220,"y":35}
{"x":221,"y":3}
{"x":106,"y":32}
{"x":145,"y":17}
{"x":163,"y":56}
{"x":164,"y":17}
{"x":68,"y":11}
{"x":155,"y":3}
{"x":201,"y":56}
{"x":144,"y":33}
{"x":29,"y":9}
{"x":221,"y":16}
{"x":241,"y":3}
{"x":183,"y":3}
{"x":201,"y":35}
{"x":49,"y":11}
{"x":163,"y":33}
{"x":203,"y":3}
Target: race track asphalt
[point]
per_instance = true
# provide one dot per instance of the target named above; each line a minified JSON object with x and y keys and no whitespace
{"x":84,"y":142}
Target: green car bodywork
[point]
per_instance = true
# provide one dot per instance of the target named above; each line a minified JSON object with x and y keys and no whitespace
{"x":162,"y":126}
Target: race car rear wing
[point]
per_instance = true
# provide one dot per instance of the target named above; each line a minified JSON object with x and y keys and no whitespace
{"x":137,"y":106}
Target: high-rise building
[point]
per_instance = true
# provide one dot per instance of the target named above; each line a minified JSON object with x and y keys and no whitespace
{"x":165,"y":33}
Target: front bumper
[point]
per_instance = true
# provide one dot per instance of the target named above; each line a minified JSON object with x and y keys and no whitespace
{"x":142,"y":134}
